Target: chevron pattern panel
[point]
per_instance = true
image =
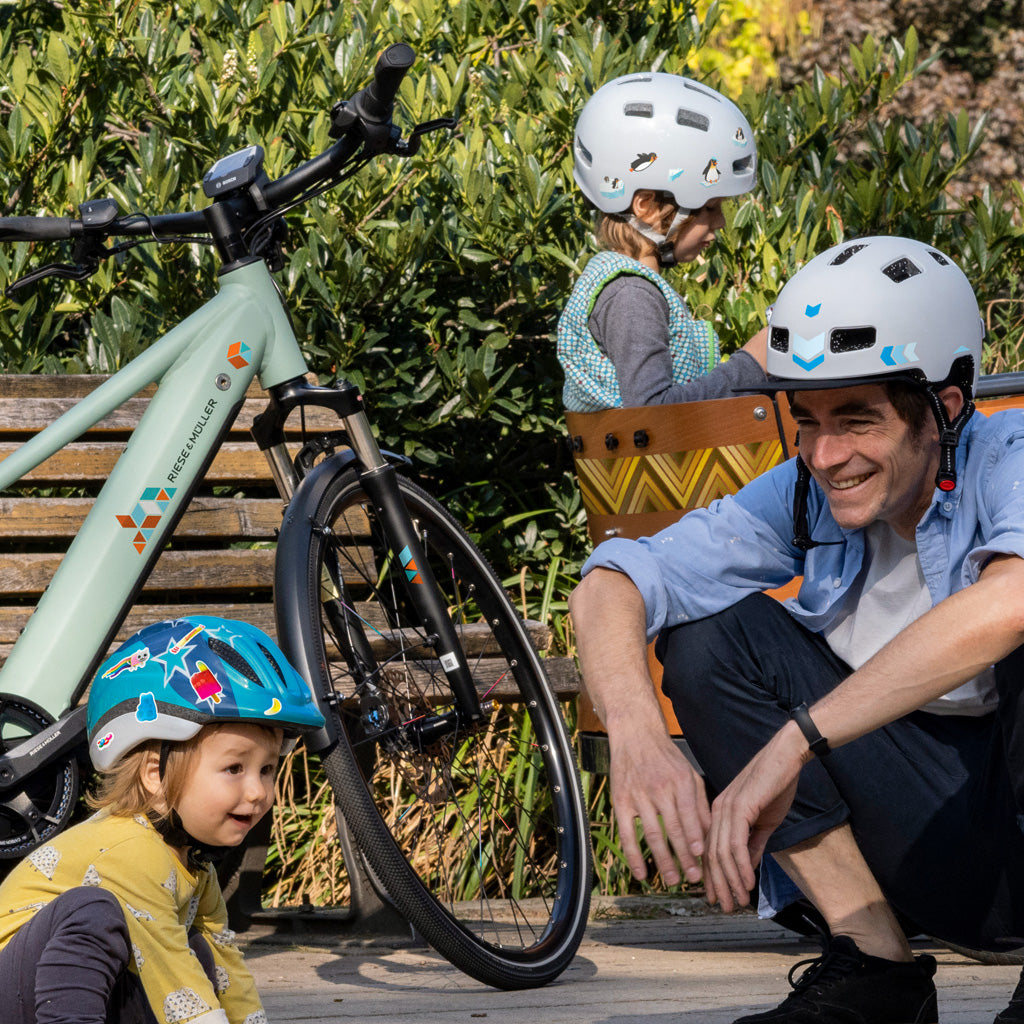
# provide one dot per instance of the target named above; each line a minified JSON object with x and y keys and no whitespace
{"x":672,"y":480}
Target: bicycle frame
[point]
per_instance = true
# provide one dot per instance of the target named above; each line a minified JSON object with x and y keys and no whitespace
{"x":203,"y":368}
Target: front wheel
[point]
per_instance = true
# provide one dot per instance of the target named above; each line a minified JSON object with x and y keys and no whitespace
{"x":477,"y":832}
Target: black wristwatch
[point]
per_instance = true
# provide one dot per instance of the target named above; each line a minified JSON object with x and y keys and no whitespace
{"x":818,"y":744}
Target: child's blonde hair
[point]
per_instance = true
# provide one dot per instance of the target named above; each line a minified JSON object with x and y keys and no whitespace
{"x":120,"y":788}
{"x":616,"y":233}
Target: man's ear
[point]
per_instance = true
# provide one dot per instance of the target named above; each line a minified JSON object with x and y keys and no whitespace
{"x":953,"y":399}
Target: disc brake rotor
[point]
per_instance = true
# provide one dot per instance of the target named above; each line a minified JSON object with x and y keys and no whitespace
{"x":34,"y":813}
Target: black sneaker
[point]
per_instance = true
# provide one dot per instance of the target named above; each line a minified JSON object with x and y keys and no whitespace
{"x":846,"y":986}
{"x":1014,"y":1013}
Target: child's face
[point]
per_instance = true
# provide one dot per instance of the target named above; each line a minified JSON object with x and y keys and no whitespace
{"x":698,"y":231}
{"x":231,"y":785}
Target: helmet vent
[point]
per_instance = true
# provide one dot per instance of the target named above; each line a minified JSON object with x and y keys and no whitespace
{"x":638,"y":110}
{"x":693,"y":119}
{"x":900,"y":270}
{"x":704,"y":92}
{"x":845,"y":255}
{"x":584,"y":153}
{"x":744,"y":164}
{"x":851,"y":339}
{"x":779,"y":339}
{"x":939,"y":258}
{"x":231,"y":657}
{"x":273,"y":662}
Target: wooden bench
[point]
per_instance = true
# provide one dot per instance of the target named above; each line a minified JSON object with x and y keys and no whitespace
{"x":220,"y":560}
{"x":640,"y":469}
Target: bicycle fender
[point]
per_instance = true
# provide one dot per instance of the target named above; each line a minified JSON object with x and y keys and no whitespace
{"x":290,"y":576}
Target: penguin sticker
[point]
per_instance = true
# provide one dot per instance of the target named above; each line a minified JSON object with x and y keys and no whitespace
{"x":613,"y":188}
{"x":711,"y":173}
{"x":739,"y":138}
{"x":643,"y":161}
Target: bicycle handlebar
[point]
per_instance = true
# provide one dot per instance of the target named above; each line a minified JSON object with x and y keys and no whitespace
{"x":376,"y":102}
{"x":367,"y":120}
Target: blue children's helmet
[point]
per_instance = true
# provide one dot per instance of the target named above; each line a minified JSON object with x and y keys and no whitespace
{"x":174,"y":677}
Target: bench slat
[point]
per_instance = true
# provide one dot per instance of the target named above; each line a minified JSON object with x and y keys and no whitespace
{"x":30,"y":415}
{"x":214,"y":518}
{"x":89,"y":463}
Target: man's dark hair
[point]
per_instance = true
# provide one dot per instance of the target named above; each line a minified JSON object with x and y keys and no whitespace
{"x":911,"y":404}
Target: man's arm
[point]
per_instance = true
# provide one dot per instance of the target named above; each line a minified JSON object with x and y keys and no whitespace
{"x":951,"y":643}
{"x":650,"y":778}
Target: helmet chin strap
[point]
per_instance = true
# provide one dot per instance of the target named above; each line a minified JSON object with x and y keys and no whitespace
{"x":172,"y":829}
{"x":664,"y":245}
{"x":949,"y":437}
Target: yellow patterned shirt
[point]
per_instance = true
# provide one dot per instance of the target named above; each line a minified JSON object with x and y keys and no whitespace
{"x":162,"y":900}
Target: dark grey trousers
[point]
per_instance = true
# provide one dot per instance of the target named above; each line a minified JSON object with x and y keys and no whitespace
{"x":68,"y":965}
{"x":930,"y":798}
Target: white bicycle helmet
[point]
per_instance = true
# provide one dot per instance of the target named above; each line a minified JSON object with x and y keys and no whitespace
{"x":873,"y":310}
{"x":662,"y":132}
{"x":879,"y":307}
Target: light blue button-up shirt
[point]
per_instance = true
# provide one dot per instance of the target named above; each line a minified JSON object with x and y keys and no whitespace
{"x":743,"y":543}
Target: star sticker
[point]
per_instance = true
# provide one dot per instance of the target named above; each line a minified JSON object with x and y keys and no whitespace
{"x":174,"y":659}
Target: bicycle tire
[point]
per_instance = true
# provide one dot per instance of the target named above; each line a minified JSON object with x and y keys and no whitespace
{"x":514,"y":912}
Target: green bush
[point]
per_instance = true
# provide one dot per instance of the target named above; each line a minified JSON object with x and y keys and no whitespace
{"x":436,"y":283}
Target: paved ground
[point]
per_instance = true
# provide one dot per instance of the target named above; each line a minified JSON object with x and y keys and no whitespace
{"x":674,"y":968}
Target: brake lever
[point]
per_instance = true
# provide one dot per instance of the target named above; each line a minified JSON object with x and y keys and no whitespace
{"x":411,"y":145}
{"x":74,"y":271}
{"x":87,"y":253}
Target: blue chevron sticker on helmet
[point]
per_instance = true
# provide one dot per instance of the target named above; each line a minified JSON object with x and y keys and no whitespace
{"x":808,"y":352}
{"x":899,"y":355}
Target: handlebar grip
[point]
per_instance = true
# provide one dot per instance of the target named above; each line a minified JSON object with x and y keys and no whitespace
{"x":375,"y":102}
{"x":38,"y":229}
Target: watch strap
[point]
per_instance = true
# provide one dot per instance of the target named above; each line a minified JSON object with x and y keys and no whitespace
{"x":818,"y":744}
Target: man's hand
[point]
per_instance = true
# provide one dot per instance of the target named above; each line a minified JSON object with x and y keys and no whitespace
{"x":651,"y":781}
{"x":747,"y":812}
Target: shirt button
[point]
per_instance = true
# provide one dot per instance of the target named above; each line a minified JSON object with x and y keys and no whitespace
{"x":837,"y":583}
{"x":947,"y":506}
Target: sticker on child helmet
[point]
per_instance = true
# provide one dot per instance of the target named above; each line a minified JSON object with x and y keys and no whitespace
{"x":129,"y":663}
{"x":146,"y":711}
{"x":711,"y":174}
{"x":205,"y":684}
{"x":643,"y":161}
{"x":613,"y":188}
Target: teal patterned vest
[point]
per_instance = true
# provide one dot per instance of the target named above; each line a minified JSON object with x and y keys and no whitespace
{"x":591,"y":382}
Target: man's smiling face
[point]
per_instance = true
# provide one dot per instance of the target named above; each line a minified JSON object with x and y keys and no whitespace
{"x":871,"y":464}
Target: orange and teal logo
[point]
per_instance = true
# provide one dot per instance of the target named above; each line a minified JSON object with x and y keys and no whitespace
{"x":147,"y":514}
{"x":412,"y":573}
{"x":238,"y":354}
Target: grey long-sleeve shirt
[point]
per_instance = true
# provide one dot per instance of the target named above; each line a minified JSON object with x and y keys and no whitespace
{"x":629,"y":322}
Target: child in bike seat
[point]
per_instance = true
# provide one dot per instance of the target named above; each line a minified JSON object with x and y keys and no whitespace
{"x":657,"y":155}
{"x":121,"y":917}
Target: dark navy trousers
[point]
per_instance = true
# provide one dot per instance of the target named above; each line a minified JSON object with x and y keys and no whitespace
{"x":68,"y":965}
{"x":933,"y":800}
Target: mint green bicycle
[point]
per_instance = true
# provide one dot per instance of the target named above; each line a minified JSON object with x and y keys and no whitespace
{"x":382,"y":601}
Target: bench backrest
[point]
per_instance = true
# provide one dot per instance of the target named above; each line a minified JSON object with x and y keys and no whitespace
{"x":220,"y":561}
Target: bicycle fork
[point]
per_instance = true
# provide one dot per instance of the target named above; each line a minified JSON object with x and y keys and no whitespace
{"x":379,"y":478}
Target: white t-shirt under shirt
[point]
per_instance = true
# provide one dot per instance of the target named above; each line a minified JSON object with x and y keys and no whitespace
{"x":889,"y":594}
